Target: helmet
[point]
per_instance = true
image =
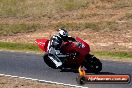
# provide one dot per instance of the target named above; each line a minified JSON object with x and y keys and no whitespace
{"x":63,"y":34}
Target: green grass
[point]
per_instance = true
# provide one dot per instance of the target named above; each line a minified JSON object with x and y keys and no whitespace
{"x":33,"y":47}
{"x":102,"y":25}
{"x":33,"y":8}
{"x":18,"y":46}
{"x":122,"y":3}
{"x":10,"y":29}
{"x":114,"y":54}
{"x":42,"y":8}
{"x":128,"y":15}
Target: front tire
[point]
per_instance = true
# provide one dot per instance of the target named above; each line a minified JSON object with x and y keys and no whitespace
{"x":48,"y":61}
{"x":92,"y":64}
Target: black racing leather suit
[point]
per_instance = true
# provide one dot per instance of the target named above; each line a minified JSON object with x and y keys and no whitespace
{"x":54,"y":49}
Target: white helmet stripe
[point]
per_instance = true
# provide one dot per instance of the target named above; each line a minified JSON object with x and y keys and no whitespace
{"x":63,"y":33}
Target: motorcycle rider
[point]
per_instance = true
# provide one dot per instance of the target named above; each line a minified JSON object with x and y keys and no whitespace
{"x":55,"y":44}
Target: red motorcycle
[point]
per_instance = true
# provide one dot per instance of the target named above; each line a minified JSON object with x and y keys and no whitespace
{"x":80,"y":55}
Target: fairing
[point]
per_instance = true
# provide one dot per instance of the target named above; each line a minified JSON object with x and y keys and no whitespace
{"x":68,"y":47}
{"x":42,"y":43}
{"x":81,"y":52}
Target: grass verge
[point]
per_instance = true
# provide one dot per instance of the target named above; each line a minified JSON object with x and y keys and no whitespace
{"x":33,"y":47}
{"x":24,"y":8}
{"x":113,"y":54}
{"x":129,"y":15}
{"x":97,"y":26}
{"x":10,"y":29}
{"x":122,"y":3}
{"x":18,"y":46}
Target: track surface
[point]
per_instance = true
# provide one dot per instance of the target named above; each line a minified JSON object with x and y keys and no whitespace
{"x":31,"y":65}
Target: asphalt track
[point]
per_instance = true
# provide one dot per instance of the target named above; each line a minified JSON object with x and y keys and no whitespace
{"x":31,"y":65}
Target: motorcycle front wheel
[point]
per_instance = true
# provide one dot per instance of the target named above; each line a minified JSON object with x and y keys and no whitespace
{"x":48,"y":61}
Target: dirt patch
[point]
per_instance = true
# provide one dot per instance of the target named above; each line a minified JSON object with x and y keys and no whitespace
{"x":115,"y":34}
{"x":8,"y":82}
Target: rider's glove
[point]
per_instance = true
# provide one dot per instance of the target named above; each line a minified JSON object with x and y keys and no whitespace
{"x":78,"y":44}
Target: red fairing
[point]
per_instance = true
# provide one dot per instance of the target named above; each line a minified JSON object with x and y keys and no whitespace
{"x":68,"y":47}
{"x":71,"y":47}
{"x":42,"y":43}
{"x":87,"y":48}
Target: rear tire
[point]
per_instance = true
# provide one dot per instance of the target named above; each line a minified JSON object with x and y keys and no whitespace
{"x":48,"y":61}
{"x":92,"y":64}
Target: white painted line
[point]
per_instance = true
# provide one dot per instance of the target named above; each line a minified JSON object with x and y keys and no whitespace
{"x":44,"y":81}
{"x":35,"y":79}
{"x":22,"y":77}
{"x":28,"y":78}
{"x":2,"y":74}
{"x":8,"y":75}
{"x":14,"y":76}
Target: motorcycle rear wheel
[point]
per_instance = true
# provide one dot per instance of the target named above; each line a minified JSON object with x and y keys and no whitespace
{"x":92,"y":64}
